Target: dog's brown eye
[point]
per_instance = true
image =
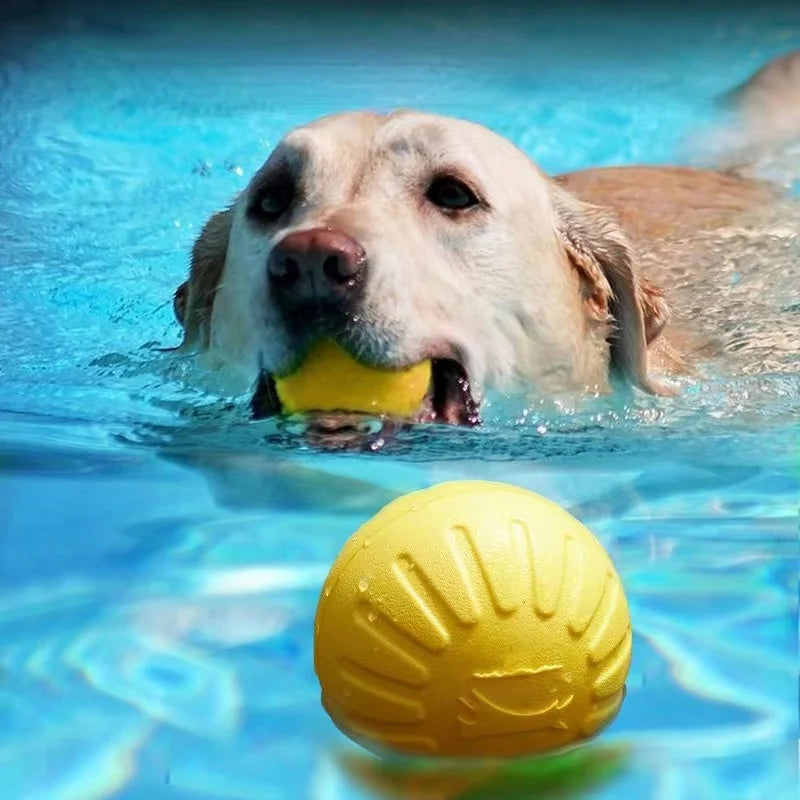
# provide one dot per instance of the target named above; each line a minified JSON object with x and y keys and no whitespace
{"x":272,"y":200}
{"x":450,"y":194}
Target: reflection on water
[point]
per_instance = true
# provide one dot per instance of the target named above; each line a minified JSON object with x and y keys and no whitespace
{"x":575,"y":773}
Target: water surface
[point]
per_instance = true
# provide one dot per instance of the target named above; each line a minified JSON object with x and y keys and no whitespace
{"x":161,"y":555}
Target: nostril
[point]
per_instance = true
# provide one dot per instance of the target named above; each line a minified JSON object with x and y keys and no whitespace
{"x":330,"y":266}
{"x":284,"y":271}
{"x":343,"y":268}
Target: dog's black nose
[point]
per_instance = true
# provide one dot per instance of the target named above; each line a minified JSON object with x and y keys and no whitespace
{"x":320,"y":265}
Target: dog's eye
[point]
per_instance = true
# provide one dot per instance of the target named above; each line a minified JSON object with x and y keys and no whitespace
{"x":272,"y":200}
{"x":450,"y":194}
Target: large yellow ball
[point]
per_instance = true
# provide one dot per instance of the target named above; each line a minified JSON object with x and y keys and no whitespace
{"x":472,"y":619}
{"x":330,"y":379}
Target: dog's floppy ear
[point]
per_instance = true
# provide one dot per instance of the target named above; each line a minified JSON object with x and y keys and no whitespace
{"x":193,"y":299}
{"x":599,"y":250}
{"x":179,"y":300}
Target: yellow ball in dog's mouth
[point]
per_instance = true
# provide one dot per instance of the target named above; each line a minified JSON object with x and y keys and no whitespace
{"x":472,"y":619}
{"x":330,"y":379}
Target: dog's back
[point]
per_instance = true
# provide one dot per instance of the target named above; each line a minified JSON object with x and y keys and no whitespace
{"x":725,"y":248}
{"x":763,"y":137}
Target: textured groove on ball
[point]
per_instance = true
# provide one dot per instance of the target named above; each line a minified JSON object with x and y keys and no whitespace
{"x":613,"y":669}
{"x":442,"y":608}
{"x":589,"y":603}
{"x":416,"y":742}
{"x":580,"y":592}
{"x":465,"y":566}
{"x":614,"y":615}
{"x":434,"y":636}
{"x":376,"y":702}
{"x":602,"y":712}
{"x":397,"y":663}
{"x":486,"y":582}
{"x":408,"y":621}
{"x":500,"y":573}
{"x":547,"y":571}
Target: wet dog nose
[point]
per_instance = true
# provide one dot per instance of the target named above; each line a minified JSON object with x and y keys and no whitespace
{"x":317,"y":265}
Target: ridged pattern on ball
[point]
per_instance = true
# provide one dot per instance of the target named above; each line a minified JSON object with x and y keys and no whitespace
{"x":472,"y":619}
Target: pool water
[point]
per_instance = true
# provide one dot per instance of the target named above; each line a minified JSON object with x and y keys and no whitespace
{"x":161,"y":555}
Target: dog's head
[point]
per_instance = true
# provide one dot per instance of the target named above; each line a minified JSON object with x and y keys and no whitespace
{"x":411,"y":236}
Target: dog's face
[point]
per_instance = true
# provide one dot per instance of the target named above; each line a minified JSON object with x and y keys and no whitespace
{"x":411,"y":236}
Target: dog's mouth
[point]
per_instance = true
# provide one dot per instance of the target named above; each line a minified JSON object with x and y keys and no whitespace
{"x":449,"y":400}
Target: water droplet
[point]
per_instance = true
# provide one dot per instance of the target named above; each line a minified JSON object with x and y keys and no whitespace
{"x":327,"y":591}
{"x":372,"y":616}
{"x":363,"y":585}
{"x":367,"y":543}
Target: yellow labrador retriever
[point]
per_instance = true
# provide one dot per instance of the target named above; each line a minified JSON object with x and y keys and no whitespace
{"x":409,"y":236}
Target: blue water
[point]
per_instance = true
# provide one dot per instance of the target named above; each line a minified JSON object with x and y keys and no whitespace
{"x":161,"y":556}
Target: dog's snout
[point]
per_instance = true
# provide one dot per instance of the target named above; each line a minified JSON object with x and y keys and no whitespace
{"x":320,"y":264}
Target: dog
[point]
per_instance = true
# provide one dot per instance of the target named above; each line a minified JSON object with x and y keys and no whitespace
{"x":408,"y":236}
{"x":763,"y":136}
